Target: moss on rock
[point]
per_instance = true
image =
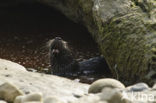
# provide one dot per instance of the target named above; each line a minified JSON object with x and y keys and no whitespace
{"x":124,"y":29}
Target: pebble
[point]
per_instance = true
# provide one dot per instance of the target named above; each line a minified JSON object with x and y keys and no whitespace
{"x":100,"y":84}
{"x":138,"y":87}
{"x":33,"y":97}
{"x":9,"y":92}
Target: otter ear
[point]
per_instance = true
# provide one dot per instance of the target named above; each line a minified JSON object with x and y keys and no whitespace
{"x":49,"y":43}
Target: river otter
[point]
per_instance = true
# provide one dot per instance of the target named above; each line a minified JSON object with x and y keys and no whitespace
{"x":63,"y":63}
{"x":61,"y":59}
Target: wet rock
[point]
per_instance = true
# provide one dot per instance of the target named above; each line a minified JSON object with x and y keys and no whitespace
{"x":98,"y":85}
{"x":52,"y":100}
{"x":138,"y":87}
{"x":33,"y":97}
{"x":9,"y":92}
{"x":8,"y":65}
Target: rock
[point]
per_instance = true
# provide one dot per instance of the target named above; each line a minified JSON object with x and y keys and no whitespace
{"x":52,"y":100}
{"x":48,"y":85}
{"x":9,"y":92}
{"x":113,"y":96}
{"x":154,"y":86}
{"x":138,"y":87}
{"x":98,"y":85}
{"x":89,"y":99}
{"x":1,"y":101}
{"x":33,"y":102}
{"x":33,"y":97}
{"x":141,"y":97}
{"x":8,"y":65}
{"x":124,"y":29}
{"x":31,"y":69}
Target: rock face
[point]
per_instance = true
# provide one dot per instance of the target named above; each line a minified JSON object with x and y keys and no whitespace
{"x":124,"y":29}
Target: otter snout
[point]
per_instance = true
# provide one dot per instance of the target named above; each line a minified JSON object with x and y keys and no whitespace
{"x":58,"y":38}
{"x":55,"y":51}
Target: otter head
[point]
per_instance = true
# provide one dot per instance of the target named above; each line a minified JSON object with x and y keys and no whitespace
{"x":57,"y":46}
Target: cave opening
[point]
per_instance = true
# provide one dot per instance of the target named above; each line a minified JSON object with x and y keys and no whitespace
{"x":25,"y":29}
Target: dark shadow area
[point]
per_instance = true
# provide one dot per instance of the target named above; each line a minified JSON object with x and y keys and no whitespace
{"x":25,"y":29}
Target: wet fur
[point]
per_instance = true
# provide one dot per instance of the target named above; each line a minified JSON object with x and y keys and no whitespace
{"x":62,"y":63}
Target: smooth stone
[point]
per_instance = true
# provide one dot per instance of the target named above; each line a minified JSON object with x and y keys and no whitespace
{"x":9,"y":92}
{"x":138,"y":87}
{"x":2,"y":101}
{"x":98,"y":85}
{"x":33,"y":97}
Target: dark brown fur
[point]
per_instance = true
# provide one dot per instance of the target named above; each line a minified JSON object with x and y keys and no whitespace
{"x":63,"y":63}
{"x":61,"y":59}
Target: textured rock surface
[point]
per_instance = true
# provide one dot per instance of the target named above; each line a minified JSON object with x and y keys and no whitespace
{"x":8,"y":65}
{"x":48,"y":85}
{"x":42,"y":88}
{"x":124,"y":29}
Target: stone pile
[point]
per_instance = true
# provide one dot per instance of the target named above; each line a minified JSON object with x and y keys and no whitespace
{"x":20,"y":86}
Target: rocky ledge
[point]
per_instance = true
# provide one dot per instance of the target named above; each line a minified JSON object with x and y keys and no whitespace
{"x":20,"y":86}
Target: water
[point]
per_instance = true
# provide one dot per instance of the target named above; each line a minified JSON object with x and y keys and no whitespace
{"x":25,"y":29}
